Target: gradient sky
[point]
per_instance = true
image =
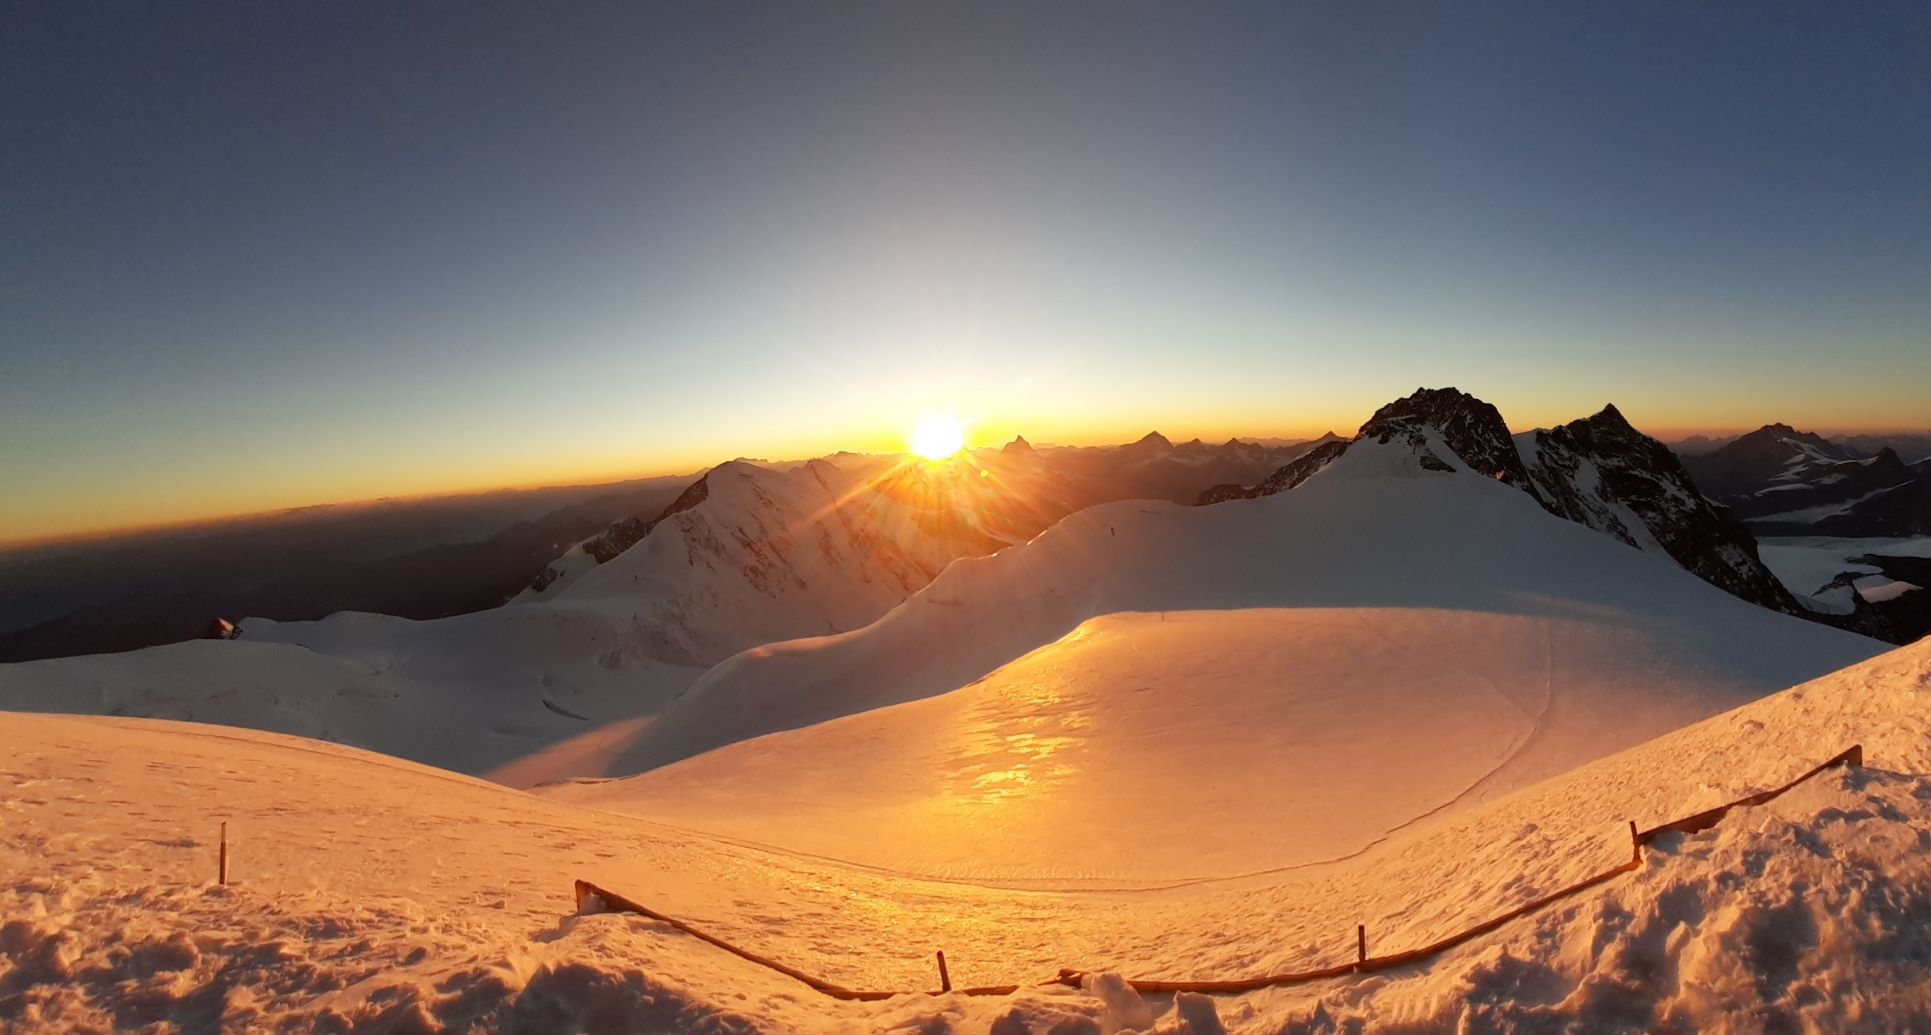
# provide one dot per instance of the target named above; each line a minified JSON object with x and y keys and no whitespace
{"x":271,"y":254}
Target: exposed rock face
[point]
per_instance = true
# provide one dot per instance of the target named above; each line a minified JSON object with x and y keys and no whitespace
{"x":1472,"y":429}
{"x":1292,"y":474}
{"x":625,"y":534}
{"x":1603,"y":473}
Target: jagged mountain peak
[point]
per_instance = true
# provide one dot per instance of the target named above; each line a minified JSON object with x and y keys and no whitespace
{"x":1470,"y":428}
{"x":1018,"y":447}
{"x":1598,"y":471}
{"x":1609,"y":414}
{"x":1602,"y":472}
{"x":1152,"y":441}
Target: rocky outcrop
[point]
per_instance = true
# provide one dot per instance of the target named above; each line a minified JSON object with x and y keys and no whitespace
{"x":627,"y":533}
{"x":1468,"y":427}
{"x":1290,"y":475}
{"x":1599,"y":472}
{"x":1603,"y":473}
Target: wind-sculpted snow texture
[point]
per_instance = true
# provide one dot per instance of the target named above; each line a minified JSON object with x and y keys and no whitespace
{"x":373,"y":894}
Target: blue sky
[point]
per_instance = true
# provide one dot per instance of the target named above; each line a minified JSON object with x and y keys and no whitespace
{"x":265,"y":255}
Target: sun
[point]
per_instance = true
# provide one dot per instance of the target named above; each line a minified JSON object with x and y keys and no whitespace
{"x":938,"y":436}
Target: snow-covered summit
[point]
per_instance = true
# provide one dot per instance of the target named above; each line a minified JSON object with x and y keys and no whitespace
{"x":1599,"y":472}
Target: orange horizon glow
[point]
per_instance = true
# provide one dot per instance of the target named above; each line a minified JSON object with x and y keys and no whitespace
{"x":410,"y":483}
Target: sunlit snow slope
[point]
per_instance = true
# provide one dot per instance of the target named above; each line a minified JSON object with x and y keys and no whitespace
{"x":1297,"y":735}
{"x":374,"y":894}
{"x":1372,"y":530}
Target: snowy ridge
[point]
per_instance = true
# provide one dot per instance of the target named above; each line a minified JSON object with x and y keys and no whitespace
{"x":1598,"y":472}
{"x":1372,"y":529}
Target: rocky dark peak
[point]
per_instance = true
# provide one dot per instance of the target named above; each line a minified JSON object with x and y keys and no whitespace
{"x":1779,"y":436}
{"x":1152,"y":442}
{"x":1473,"y":429}
{"x":1611,"y":417}
{"x":1782,"y":481}
{"x":1018,"y":447}
{"x":1600,"y":471}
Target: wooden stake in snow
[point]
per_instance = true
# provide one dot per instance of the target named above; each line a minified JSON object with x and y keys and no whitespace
{"x":1361,"y":942}
{"x":224,"y":853}
{"x":1636,"y":844}
{"x":945,"y":979}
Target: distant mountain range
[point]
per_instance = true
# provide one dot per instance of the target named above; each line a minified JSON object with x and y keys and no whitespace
{"x":1433,"y":503}
{"x":1846,"y":521}
{"x":1785,"y":482}
{"x":1910,"y":446}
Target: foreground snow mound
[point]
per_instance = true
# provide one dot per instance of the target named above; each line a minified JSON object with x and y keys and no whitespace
{"x":1372,"y":529}
{"x":370,"y":894}
{"x":1289,"y":736}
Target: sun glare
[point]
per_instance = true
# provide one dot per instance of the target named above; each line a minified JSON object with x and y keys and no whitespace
{"x":938,"y":436}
